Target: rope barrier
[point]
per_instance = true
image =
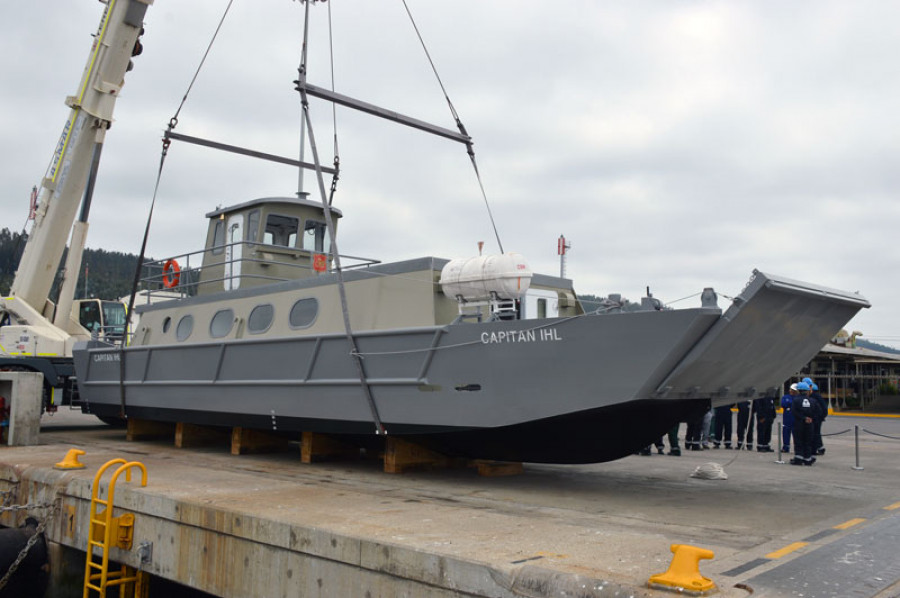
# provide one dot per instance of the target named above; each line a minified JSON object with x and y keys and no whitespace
{"x":838,"y":433}
{"x":879,"y":434}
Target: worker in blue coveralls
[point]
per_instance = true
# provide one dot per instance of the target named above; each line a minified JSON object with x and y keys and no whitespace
{"x":692,"y":436}
{"x":787,"y":419}
{"x":805,"y":410}
{"x":723,"y":426}
{"x":744,"y":426}
{"x":764,"y":410}
{"x":818,"y":446}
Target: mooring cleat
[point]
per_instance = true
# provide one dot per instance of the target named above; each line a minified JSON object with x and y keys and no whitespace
{"x":683,"y":575}
{"x":70,"y":461}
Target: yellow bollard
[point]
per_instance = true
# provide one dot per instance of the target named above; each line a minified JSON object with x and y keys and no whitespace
{"x":683,"y":574}
{"x":71,"y":460}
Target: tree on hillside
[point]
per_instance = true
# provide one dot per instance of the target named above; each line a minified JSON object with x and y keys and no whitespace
{"x":12,"y":245}
{"x":104,"y":274}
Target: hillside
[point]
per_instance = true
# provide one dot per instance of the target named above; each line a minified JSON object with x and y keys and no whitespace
{"x":876,"y":346}
{"x":104,"y":274}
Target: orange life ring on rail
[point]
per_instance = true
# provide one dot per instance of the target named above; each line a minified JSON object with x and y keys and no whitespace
{"x":173,"y":267}
{"x":320,"y":262}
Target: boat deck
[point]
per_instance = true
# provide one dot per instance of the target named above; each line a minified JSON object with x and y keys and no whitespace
{"x":268,"y":525}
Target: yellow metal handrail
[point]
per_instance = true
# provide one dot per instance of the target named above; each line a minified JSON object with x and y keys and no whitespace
{"x":104,"y":530}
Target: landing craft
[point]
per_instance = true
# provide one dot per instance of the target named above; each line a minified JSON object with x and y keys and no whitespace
{"x":476,"y":357}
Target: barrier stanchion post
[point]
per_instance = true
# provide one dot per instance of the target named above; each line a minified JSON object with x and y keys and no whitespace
{"x":779,"y":459}
{"x":857,"y":467}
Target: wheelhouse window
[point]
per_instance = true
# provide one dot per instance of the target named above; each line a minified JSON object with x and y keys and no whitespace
{"x":304,"y":313}
{"x":218,"y":238}
{"x":221,"y":323}
{"x":260,"y":318}
{"x":281,"y":230}
{"x":253,"y":226}
{"x":315,"y":237}
{"x":185,"y":327}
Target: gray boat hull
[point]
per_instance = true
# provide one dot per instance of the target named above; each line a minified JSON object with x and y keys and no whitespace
{"x":565,"y":390}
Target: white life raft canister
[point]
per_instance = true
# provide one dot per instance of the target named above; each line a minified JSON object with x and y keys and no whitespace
{"x":476,"y":278}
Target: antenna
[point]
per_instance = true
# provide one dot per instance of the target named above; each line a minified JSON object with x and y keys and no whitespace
{"x":562,"y":246}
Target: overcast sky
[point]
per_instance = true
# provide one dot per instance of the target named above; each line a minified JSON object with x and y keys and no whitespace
{"x":675,"y":144}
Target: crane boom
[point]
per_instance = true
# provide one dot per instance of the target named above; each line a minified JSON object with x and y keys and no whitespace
{"x":32,"y":336}
{"x":63,"y":187}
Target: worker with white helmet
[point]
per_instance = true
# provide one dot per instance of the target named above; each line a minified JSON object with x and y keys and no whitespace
{"x":787,"y":419}
{"x":805,"y":410}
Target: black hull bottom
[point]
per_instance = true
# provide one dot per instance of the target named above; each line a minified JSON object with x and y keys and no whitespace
{"x":594,"y":436}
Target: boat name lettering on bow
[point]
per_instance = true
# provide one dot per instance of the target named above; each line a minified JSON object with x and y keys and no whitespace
{"x":520,"y":336}
{"x":106,"y":357}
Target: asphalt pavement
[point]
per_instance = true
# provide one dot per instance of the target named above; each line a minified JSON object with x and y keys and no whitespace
{"x":774,"y":529}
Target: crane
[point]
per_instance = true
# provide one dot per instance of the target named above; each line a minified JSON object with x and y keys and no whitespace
{"x":36,"y":334}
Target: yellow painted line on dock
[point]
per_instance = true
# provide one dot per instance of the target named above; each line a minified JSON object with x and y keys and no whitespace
{"x":846,"y":414}
{"x":896,"y":505}
{"x":786,"y":550}
{"x":849,"y":524}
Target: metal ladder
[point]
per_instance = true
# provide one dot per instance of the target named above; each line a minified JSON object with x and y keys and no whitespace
{"x":105,"y":531}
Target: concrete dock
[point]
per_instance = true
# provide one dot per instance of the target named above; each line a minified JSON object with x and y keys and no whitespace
{"x":269,"y":525}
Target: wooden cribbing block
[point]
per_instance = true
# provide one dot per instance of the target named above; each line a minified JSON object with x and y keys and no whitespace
{"x":145,"y":429}
{"x":319,"y":447}
{"x":188,"y":435}
{"x":493,"y":469}
{"x":247,"y":440}
{"x":402,"y":455}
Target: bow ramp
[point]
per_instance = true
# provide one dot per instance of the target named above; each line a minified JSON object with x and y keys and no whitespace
{"x":774,"y":327}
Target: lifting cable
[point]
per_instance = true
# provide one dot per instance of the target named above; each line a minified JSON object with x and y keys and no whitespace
{"x":335,"y":172}
{"x":337,"y":158}
{"x":459,"y":124}
{"x":140,"y":261}
{"x":329,"y":222}
{"x":174,"y":121}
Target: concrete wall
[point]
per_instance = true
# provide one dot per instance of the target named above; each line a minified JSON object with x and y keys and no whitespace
{"x":23,"y":392}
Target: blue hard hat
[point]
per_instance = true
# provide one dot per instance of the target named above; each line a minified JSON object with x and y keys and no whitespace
{"x":802,"y":386}
{"x":808,"y":381}
{"x":815,"y":386}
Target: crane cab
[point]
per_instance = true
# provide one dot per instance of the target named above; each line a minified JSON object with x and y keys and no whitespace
{"x":264,"y":241}
{"x":103,"y":318}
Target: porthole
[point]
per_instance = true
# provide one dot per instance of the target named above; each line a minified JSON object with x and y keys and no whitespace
{"x":221,"y":323}
{"x":260,"y":318}
{"x":167,"y":323}
{"x":184,"y":328}
{"x":304,"y":313}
